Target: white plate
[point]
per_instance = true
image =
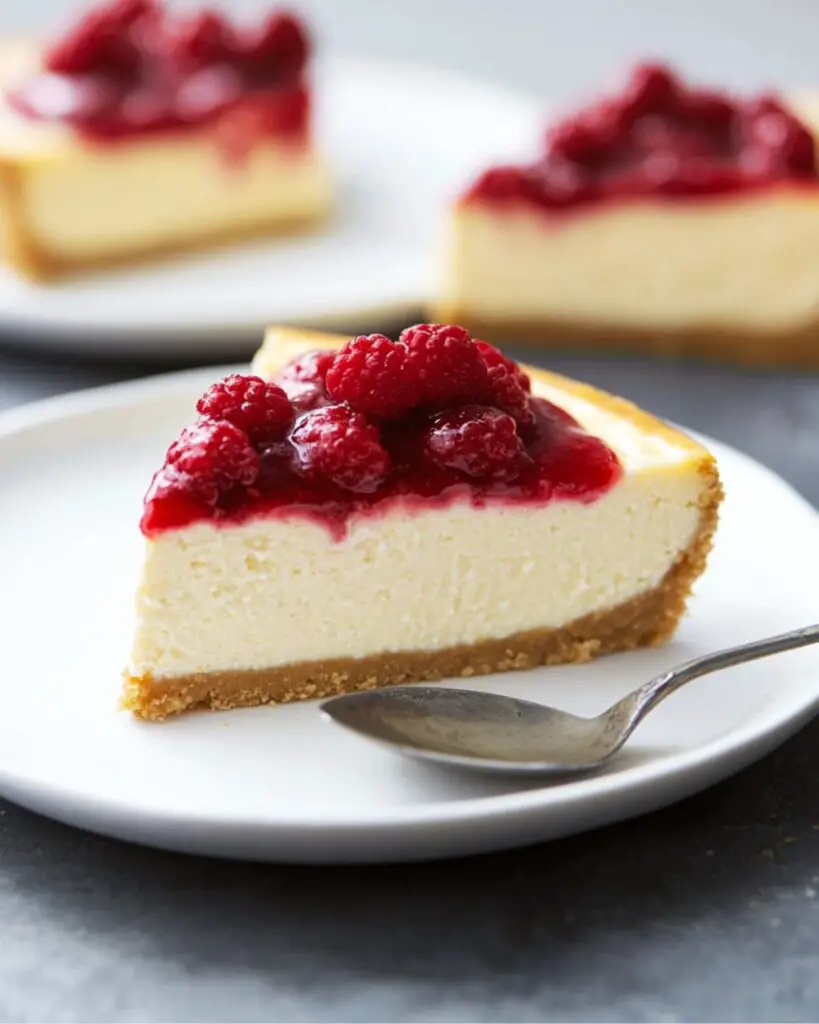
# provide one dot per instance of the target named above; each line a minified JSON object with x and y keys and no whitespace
{"x":280,"y":783}
{"x":402,"y":140}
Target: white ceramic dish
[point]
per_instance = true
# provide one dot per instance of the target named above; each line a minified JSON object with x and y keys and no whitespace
{"x":402,"y":141}
{"x":281,"y":783}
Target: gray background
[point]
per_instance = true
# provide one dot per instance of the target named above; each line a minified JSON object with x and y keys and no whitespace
{"x":547,"y":46}
{"x":706,"y":911}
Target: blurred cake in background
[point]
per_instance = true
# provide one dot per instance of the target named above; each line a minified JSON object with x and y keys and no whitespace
{"x":138,"y":132}
{"x":667,"y":218}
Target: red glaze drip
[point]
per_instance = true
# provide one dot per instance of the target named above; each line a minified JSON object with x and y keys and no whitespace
{"x":126,"y":69}
{"x":551,"y":459}
{"x":659,"y":137}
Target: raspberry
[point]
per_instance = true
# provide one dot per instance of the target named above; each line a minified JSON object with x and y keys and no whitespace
{"x":282,"y":44}
{"x":507,"y":385}
{"x":302,"y":380}
{"x":607,"y":122}
{"x":339,"y":444}
{"x":211,"y":457}
{"x":653,"y":89}
{"x":374,"y":376}
{"x":260,"y":408}
{"x":562,"y":183}
{"x":571,"y":140}
{"x":206,"y":92}
{"x":799,"y":150}
{"x":446,"y":362}
{"x":477,"y":441}
{"x":507,"y":183}
{"x":775,"y":141}
{"x":83,"y":51}
{"x":100,"y":40}
{"x":504,"y":391}
{"x":494,"y":357}
{"x":311,"y":367}
{"x":202,"y":39}
{"x":709,"y":108}
{"x":759,"y":106}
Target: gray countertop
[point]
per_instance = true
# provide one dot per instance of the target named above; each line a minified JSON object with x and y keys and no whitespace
{"x":706,"y":911}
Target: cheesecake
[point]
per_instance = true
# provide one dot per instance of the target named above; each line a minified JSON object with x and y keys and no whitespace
{"x":665,"y":218}
{"x":364,"y":512}
{"x":138,"y":133}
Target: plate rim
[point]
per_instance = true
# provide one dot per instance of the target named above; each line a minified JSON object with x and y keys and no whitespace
{"x":757,"y":735}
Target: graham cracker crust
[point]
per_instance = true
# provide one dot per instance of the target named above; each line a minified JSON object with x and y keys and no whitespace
{"x":796,"y":349}
{"x":646,"y":620}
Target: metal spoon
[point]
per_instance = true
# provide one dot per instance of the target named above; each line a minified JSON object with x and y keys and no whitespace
{"x":517,"y":737}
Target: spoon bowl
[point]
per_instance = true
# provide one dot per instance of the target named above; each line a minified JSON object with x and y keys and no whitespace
{"x":473,"y":729}
{"x":506,"y":735}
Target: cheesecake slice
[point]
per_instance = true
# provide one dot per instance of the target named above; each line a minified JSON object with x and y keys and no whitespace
{"x":358,"y":514}
{"x":139,"y":133}
{"x":667,"y":219}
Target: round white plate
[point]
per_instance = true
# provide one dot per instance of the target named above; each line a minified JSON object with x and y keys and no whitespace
{"x":283,"y":784}
{"x":402,"y":142}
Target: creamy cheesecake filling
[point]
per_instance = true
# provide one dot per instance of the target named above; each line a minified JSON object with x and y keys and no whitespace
{"x":736,"y":263}
{"x":150,"y":193}
{"x":273,"y":592}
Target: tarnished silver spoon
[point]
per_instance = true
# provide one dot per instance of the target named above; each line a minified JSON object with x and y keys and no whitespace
{"x":518,"y":737}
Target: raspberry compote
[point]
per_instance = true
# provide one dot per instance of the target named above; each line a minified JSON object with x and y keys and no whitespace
{"x":128,"y":68}
{"x":432,"y":418}
{"x":659,"y":137}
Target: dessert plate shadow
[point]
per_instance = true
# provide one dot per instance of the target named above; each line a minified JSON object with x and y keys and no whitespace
{"x":402,"y":141}
{"x":282,"y":784}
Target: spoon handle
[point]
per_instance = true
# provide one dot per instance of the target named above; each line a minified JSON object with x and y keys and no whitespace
{"x":638,"y":704}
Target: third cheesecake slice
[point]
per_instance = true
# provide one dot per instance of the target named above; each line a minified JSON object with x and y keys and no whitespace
{"x":667,"y":218}
{"x":364,"y":512}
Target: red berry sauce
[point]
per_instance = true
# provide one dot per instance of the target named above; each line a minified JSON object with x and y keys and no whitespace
{"x":659,"y":137}
{"x":128,"y":68}
{"x":428,"y":420}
